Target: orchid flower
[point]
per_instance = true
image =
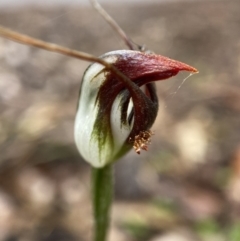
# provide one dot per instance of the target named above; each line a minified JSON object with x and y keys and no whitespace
{"x":117,"y":106}
{"x":112,"y":116}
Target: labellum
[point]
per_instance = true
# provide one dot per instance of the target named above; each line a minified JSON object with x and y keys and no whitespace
{"x":113,"y":116}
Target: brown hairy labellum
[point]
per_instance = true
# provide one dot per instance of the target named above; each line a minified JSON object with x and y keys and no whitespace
{"x":141,"y":141}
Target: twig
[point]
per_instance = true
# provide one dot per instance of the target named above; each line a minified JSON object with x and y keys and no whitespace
{"x":113,"y":24}
{"x":24,"y":39}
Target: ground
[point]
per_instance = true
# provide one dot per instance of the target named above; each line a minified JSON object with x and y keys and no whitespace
{"x":186,"y":187}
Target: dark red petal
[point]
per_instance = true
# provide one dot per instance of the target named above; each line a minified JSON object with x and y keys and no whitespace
{"x":137,"y":65}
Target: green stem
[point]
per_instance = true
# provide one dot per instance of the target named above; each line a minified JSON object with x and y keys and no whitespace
{"x":102,"y":181}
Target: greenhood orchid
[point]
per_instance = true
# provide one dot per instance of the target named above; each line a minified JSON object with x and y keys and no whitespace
{"x":112,"y":117}
{"x":117,"y":106}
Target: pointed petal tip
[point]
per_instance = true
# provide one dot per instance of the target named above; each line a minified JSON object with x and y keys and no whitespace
{"x":173,"y":65}
{"x":185,"y":67}
{"x":194,"y":70}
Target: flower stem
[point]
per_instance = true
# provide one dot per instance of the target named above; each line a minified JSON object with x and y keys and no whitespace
{"x":102,"y":188}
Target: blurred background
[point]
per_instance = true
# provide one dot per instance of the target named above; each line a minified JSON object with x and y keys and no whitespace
{"x":185,"y":188}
